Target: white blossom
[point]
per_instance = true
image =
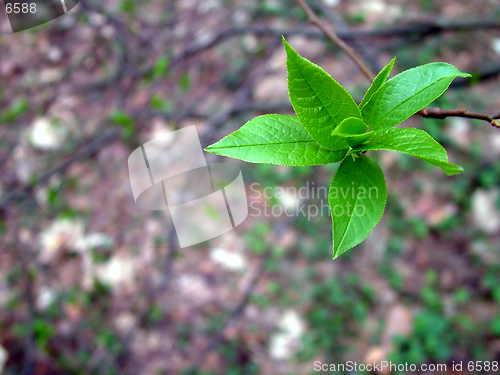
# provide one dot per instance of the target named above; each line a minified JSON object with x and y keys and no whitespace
{"x":495,"y":45}
{"x":486,"y":215}
{"x":286,"y":341}
{"x":230,"y":260}
{"x":46,"y":135}
{"x":95,"y":240}
{"x":4,"y":356}
{"x":118,"y":271}
{"x":44,"y":298}
{"x":62,"y":233}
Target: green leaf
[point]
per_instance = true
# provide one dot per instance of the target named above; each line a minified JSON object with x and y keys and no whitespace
{"x":319,"y":101}
{"x":357,"y":199}
{"x":184,"y":82}
{"x":122,"y":119}
{"x":414,"y":142}
{"x":128,"y":6}
{"x":407,"y":93}
{"x":159,"y":103}
{"x":275,"y":139}
{"x":351,"y":127}
{"x":161,"y":66}
{"x":355,"y":140}
{"x":16,"y":109}
{"x":377,"y":83}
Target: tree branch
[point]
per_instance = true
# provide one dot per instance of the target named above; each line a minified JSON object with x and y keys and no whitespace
{"x":335,"y":39}
{"x":440,"y":113}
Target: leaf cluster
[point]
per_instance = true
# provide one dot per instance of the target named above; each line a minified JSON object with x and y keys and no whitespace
{"x":331,"y":127}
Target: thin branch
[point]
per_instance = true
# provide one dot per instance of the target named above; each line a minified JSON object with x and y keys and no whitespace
{"x":370,"y":56}
{"x":334,"y":38}
{"x":440,"y":113}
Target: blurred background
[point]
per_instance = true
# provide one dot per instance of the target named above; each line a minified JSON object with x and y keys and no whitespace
{"x":91,"y":284}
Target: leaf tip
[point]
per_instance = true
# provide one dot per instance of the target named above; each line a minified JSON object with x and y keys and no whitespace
{"x":290,"y":52}
{"x":461,"y":74}
{"x":391,"y":63}
{"x":456,"y":170}
{"x":288,"y":47}
{"x":342,"y":249}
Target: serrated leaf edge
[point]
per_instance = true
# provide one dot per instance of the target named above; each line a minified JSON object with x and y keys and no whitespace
{"x":335,"y":254}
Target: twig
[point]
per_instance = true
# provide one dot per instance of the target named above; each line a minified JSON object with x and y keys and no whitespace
{"x":334,"y":38}
{"x":440,"y":113}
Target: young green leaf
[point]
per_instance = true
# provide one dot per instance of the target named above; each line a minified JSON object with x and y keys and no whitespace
{"x":355,"y":140}
{"x":319,"y":101}
{"x":377,"y":83}
{"x":350,"y":126}
{"x":275,"y":139}
{"x":348,"y":129}
{"x":414,"y":142}
{"x":407,"y":93}
{"x":357,"y":199}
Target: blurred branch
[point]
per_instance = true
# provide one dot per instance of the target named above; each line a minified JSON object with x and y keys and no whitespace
{"x":215,"y":121}
{"x":235,"y":314}
{"x":122,"y":41}
{"x":342,"y":27}
{"x":91,"y":148}
{"x":437,"y":113}
{"x":24,"y":256}
{"x":420,"y":29}
{"x":95,"y":145}
{"x":335,"y":39}
{"x":241,"y":104}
